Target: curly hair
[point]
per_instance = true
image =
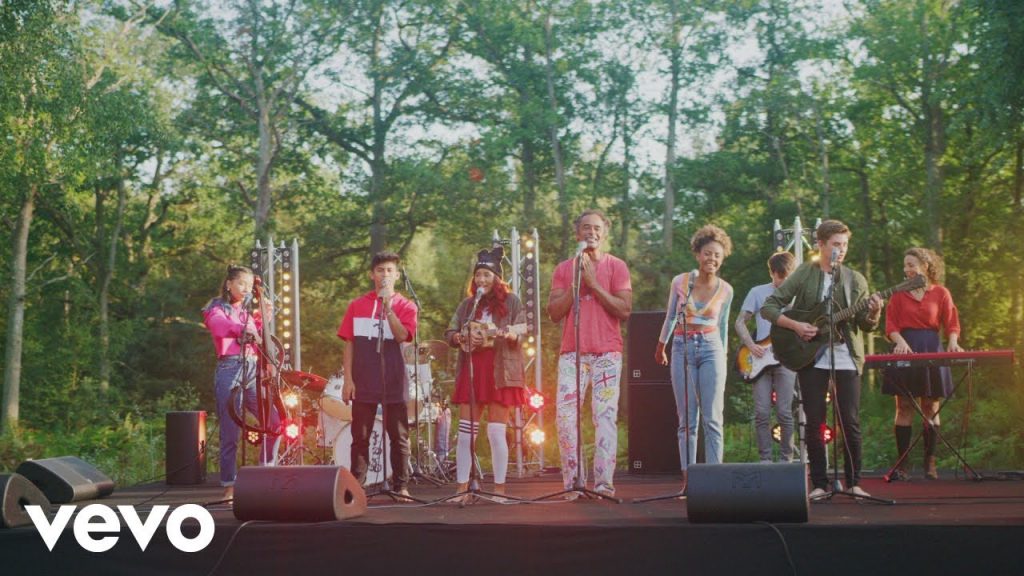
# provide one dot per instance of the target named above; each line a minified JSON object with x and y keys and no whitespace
{"x":930,"y":261}
{"x":710,"y":233}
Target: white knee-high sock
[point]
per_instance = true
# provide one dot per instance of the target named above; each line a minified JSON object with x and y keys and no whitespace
{"x":463,"y":454}
{"x":499,"y":450}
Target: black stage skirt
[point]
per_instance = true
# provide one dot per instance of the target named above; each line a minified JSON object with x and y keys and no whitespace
{"x":930,"y":382}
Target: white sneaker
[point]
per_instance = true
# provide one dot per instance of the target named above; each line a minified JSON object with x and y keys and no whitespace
{"x":817,"y":494}
{"x":859,"y":492}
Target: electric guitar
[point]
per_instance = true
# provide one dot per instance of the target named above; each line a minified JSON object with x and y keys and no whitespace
{"x":750,"y":366}
{"x":796,"y":353}
{"x":489,"y":331}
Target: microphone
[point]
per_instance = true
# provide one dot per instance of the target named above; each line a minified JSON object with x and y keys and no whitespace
{"x":479,"y":294}
{"x":580,"y":248}
{"x":247,"y":300}
{"x":834,"y":259}
{"x":384,"y":285}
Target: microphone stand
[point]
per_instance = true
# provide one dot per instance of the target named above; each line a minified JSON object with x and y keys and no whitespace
{"x":833,"y":387}
{"x":416,"y":473}
{"x":686,"y":404}
{"x":384,"y":489}
{"x":579,"y":486}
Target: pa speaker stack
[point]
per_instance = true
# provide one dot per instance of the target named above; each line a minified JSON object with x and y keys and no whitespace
{"x":651,"y":406}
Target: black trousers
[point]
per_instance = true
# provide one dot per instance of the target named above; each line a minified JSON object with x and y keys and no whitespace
{"x":813,"y":388}
{"x":397,"y":424}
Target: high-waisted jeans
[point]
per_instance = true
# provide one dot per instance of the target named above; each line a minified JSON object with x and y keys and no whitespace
{"x":229,"y":376}
{"x":705,"y":395}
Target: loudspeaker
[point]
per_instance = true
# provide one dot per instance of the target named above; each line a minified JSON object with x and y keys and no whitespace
{"x":642,"y":331}
{"x":16,"y":492}
{"x":66,"y":479}
{"x":651,"y":407}
{"x":747,"y":493}
{"x":185,"y":435}
{"x":652,"y":426}
{"x":297,"y":494}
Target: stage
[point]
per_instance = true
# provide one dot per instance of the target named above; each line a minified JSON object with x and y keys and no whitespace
{"x":944,"y":526}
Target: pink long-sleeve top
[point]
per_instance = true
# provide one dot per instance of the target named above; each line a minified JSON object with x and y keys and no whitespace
{"x":226,"y":323}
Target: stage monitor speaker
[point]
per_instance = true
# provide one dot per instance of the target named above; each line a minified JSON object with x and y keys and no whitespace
{"x":185,"y":435}
{"x":298,"y":494}
{"x":642,"y":331}
{"x":650,"y":404}
{"x":66,"y":479}
{"x":732,"y":493}
{"x":16,"y":492}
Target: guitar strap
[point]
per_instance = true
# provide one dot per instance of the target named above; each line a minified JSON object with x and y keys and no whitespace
{"x":845,"y":276}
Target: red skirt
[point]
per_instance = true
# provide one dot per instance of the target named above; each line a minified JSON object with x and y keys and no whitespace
{"x":484,"y":390}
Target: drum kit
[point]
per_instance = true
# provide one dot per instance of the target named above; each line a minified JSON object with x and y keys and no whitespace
{"x":429,"y":414}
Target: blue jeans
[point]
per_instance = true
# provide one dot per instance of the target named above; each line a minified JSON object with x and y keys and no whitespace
{"x":229,"y":376}
{"x":705,"y":395}
{"x":782,"y":380}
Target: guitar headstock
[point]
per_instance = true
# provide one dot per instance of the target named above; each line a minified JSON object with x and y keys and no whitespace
{"x":910,"y":284}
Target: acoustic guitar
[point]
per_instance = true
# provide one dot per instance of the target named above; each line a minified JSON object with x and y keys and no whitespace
{"x":490,"y":331}
{"x":750,"y":367}
{"x":796,"y":353}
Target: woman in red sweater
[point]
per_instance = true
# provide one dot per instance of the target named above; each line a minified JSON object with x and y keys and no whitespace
{"x":913,"y":322}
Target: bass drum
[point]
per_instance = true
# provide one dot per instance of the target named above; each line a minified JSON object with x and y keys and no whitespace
{"x":378,"y":451}
{"x":334,"y":414}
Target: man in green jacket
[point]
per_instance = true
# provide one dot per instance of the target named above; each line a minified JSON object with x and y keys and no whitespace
{"x":805,"y":288}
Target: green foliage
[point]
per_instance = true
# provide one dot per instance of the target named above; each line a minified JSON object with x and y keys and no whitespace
{"x":425,"y":126}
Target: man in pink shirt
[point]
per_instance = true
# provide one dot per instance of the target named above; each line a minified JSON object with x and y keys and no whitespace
{"x":606,"y":298}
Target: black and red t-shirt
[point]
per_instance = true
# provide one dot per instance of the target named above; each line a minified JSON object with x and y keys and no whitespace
{"x":360,"y":328}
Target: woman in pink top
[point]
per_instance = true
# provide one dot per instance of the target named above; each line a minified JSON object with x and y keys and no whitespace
{"x":913,"y":322}
{"x":236,"y":334}
{"x":697,"y":320}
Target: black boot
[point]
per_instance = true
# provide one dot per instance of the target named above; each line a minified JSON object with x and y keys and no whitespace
{"x":902,"y":434}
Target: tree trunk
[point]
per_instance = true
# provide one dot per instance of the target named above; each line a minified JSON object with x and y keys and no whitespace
{"x":556,"y":149}
{"x":826,"y":194}
{"x":104,"y":284}
{"x":675,"y":63}
{"x":264,"y":159}
{"x":934,"y":139}
{"x":16,"y":313}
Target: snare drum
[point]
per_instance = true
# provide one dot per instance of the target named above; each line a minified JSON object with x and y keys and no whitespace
{"x":378,"y":451}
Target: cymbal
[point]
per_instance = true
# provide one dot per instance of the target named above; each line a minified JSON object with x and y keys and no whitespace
{"x":304,"y":380}
{"x":427,"y":351}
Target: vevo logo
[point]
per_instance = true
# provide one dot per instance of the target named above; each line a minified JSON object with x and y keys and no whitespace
{"x":108,"y":522}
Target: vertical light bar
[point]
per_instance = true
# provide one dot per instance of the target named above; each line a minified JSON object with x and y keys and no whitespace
{"x":538,"y":376}
{"x":296,"y":324}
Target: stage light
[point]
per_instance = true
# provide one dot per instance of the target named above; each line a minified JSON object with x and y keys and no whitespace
{"x":287,"y":345}
{"x":536,"y":401}
{"x":287,"y":323}
{"x":286,"y":276}
{"x":775,"y":397}
{"x":531,"y":351}
{"x":287,"y":299}
{"x":536,"y":436}
{"x":252,"y":437}
{"x":287,"y":287}
{"x":777,"y":434}
{"x":290,"y":399}
{"x":287,"y":334}
{"x":827,"y":435}
{"x":292,"y":430}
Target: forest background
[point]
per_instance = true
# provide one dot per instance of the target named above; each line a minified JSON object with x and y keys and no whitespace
{"x":147,"y":145}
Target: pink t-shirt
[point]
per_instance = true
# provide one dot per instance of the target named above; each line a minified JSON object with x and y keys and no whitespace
{"x":600,"y":332}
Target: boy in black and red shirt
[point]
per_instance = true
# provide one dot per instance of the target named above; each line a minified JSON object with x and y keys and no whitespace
{"x":367,"y":384}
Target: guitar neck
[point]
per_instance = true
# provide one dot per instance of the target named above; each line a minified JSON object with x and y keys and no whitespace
{"x":857,"y":308}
